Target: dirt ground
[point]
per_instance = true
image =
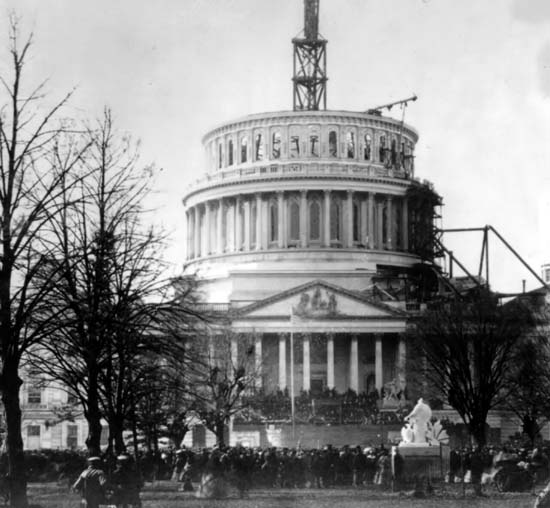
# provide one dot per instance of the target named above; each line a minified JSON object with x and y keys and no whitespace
{"x":165,"y":495}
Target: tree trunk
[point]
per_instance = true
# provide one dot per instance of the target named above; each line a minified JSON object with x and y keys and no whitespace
{"x":531,"y":427}
{"x":14,"y":442}
{"x":93,"y":416}
{"x":478,"y":431}
{"x":219,"y":430}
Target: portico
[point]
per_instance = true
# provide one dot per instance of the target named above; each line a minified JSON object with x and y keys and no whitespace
{"x":340,"y":340}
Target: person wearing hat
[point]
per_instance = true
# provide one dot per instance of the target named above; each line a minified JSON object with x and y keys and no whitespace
{"x":92,"y":483}
{"x":126,"y":482}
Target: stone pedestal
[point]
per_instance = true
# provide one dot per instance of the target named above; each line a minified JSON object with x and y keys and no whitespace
{"x":420,"y":460}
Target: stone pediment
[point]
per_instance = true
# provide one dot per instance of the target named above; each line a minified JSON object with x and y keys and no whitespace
{"x":319,"y":300}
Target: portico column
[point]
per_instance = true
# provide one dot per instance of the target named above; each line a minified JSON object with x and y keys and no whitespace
{"x":196,"y":233}
{"x":405,"y":225}
{"x":238,"y":225}
{"x":259,"y":217}
{"x":258,"y":360}
{"x":220,"y":233}
{"x":303,"y":219}
{"x":326,"y":222}
{"x":378,"y":368}
{"x":207,"y":210}
{"x":389,"y":223}
{"x":380,"y":226}
{"x":401,"y":357}
{"x":349,"y":222}
{"x":370,"y":218}
{"x":246,"y":207}
{"x":282,"y":361}
{"x":306,"y":366}
{"x":280,"y":219}
{"x":330,"y":361}
{"x":354,"y":364}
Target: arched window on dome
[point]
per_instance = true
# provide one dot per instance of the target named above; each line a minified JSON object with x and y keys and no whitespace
{"x":220,"y":155}
{"x":393,"y":153}
{"x":333,"y":144}
{"x":356,"y":222}
{"x":230,"y":153}
{"x":244,"y":149}
{"x":336,"y":221}
{"x":382,"y":149}
{"x":314,"y":145}
{"x":253,"y":219}
{"x":294,"y":222}
{"x":315,"y":221}
{"x":273,"y":222}
{"x":368,"y":147}
{"x":294,"y":147}
{"x":350,"y":145}
{"x":259,"y":147}
{"x":276,"y":145}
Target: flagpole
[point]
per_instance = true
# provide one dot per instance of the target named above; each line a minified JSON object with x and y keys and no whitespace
{"x":292,"y":375}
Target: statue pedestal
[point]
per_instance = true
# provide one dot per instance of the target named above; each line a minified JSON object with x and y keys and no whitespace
{"x":420,"y":460}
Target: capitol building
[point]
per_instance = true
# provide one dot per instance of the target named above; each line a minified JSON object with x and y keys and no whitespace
{"x":304,"y":223}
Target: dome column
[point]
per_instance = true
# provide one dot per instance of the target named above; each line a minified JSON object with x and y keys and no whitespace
{"x":405,"y":225}
{"x":389,"y":223}
{"x":196,"y":232}
{"x":238,"y":224}
{"x":207,"y":232}
{"x":281,"y":233}
{"x":380,"y":225}
{"x":303,"y":220}
{"x":219,"y":231}
{"x":259,"y":217}
{"x":370,"y":218}
{"x":247,"y":225}
{"x":326,"y":217}
{"x":349,"y":219}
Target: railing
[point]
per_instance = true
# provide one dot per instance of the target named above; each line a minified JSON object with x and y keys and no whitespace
{"x":212,"y":307}
{"x":300,"y":169}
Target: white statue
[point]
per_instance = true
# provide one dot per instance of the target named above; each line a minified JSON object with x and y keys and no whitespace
{"x":407,"y":435}
{"x":418,"y":420}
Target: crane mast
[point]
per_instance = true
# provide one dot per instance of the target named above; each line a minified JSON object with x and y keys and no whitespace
{"x":310,"y":63}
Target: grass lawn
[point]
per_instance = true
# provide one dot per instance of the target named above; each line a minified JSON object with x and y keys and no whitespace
{"x":165,"y":495}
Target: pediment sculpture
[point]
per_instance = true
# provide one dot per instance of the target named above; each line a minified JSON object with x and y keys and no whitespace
{"x":317,"y":304}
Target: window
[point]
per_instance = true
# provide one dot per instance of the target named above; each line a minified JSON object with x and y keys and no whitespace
{"x":33,"y":431}
{"x":547,"y":275}
{"x":314,"y":145}
{"x":294,"y":146}
{"x":350,"y":145}
{"x":368,"y":147}
{"x":336,"y":220}
{"x":273,"y":221}
{"x":34,"y":395}
{"x":332,"y":144}
{"x":72,"y":398}
{"x":220,"y":156}
{"x":259,"y":148}
{"x":315,"y":221}
{"x":72,"y":436}
{"x":276,"y":145}
{"x":244,"y":149}
{"x":294,"y":212}
{"x":230,"y":153}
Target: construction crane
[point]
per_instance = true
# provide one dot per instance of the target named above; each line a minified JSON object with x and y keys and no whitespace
{"x":403,"y":103}
{"x":310,"y":63}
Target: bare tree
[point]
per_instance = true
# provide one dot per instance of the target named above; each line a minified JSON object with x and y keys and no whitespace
{"x":107,"y":268}
{"x":469,"y":345}
{"x":223,"y":374}
{"x":36,"y":155}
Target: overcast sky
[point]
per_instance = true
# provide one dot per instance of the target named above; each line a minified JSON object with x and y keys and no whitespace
{"x":172,"y":69}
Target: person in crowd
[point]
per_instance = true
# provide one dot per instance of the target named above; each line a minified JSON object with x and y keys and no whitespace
{"x":92,"y":484}
{"x":126,"y":483}
{"x":398,"y":468}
